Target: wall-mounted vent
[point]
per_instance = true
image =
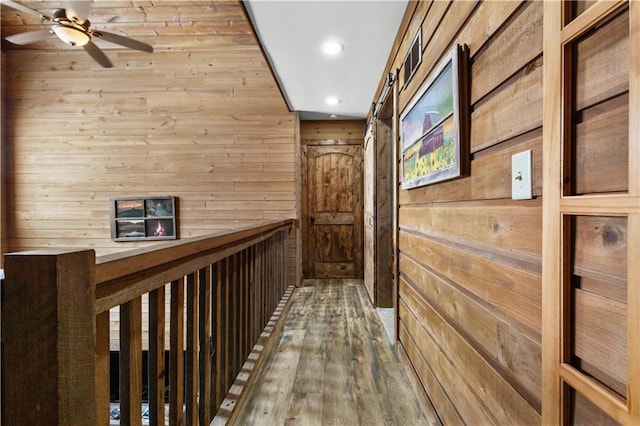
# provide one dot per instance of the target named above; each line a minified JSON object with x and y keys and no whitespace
{"x":413,"y":59}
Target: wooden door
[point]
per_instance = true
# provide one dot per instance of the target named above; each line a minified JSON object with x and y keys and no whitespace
{"x":369,"y":216}
{"x":384,"y":137}
{"x":335,"y":211}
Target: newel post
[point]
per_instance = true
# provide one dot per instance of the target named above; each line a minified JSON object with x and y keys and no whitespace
{"x":49,"y":335}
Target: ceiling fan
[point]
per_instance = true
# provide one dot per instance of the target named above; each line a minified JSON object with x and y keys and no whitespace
{"x":72,"y":27}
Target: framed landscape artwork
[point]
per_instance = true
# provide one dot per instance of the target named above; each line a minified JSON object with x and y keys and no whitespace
{"x":143,"y":218}
{"x":434,"y":125}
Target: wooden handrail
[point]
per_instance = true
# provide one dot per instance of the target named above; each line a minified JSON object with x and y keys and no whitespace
{"x":56,"y":317}
{"x":118,"y":265}
{"x":122,"y":276}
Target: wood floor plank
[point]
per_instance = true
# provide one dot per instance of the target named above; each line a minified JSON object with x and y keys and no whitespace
{"x":270,"y":404}
{"x":334,"y":365}
{"x":374,"y":410}
{"x":406,"y":408}
{"x":305,"y":409}
{"x":367,"y":379}
{"x":339,"y":410}
{"x":310,"y":374}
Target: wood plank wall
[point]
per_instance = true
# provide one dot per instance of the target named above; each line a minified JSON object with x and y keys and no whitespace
{"x":470,"y":257}
{"x":205,"y":122}
{"x":317,"y":132}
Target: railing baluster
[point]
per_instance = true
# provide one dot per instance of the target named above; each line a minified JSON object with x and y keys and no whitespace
{"x":272,"y":281}
{"x":156,"y":364}
{"x":237,"y":278}
{"x":204,"y":325}
{"x":215,"y":270}
{"x":229,"y":323}
{"x":221,"y":328}
{"x":239,"y":313}
{"x":191,"y":380}
{"x":176,"y":369}
{"x":252,"y":294}
{"x":263,"y":285}
{"x":245,"y":302}
{"x":131,"y":362}
{"x":103,"y":364}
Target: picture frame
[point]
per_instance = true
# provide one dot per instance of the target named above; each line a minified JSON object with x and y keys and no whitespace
{"x":434,"y":126}
{"x":143,"y":218}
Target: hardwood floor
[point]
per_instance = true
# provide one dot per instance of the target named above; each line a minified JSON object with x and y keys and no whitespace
{"x":333,"y":365}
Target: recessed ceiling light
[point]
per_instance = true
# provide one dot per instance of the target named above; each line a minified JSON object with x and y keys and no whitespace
{"x":332,"y":100}
{"x":332,"y":47}
{"x":333,"y":116}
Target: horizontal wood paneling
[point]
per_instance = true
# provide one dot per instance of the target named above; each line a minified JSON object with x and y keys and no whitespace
{"x":422,"y":344}
{"x":497,"y":63}
{"x":340,"y":131}
{"x":507,"y":348}
{"x":203,"y":121}
{"x":505,"y":406}
{"x":470,"y":289}
{"x":469,"y":256}
{"x":602,"y":67}
{"x":511,"y":291}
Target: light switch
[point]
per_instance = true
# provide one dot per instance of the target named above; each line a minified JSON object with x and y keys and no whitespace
{"x":521,"y":176}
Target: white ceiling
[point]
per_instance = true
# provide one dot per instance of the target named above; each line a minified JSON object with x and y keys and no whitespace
{"x":292,"y":32}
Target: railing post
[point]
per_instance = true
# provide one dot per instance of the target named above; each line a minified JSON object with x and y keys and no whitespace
{"x":49,"y":338}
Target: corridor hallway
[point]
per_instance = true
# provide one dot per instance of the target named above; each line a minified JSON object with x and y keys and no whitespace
{"x":333,"y":365}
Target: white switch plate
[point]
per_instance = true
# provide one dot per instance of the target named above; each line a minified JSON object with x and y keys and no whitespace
{"x":521,"y":176}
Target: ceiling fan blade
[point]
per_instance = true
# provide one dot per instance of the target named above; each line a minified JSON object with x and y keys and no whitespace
{"x":78,"y":9}
{"x":97,"y":54}
{"x":123,"y":41}
{"x":29,"y":37}
{"x":26,"y":9}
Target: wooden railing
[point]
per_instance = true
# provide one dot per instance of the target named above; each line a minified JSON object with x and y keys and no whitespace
{"x":56,"y":326}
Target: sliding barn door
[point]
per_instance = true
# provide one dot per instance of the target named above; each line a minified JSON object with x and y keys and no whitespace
{"x":369,"y":216}
{"x":335,"y":211}
{"x":591,"y":213}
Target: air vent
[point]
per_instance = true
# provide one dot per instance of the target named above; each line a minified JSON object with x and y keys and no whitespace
{"x":413,"y":59}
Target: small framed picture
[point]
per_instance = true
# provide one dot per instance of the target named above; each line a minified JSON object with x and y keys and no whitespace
{"x":143,"y":218}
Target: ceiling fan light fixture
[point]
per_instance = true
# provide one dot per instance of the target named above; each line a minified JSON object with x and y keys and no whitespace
{"x":72,"y":36}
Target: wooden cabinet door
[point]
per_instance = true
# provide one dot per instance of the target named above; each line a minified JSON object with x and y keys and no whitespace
{"x":335,"y":211}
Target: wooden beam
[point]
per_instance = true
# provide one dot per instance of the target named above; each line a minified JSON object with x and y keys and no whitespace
{"x":551,"y":229}
{"x":588,"y":19}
